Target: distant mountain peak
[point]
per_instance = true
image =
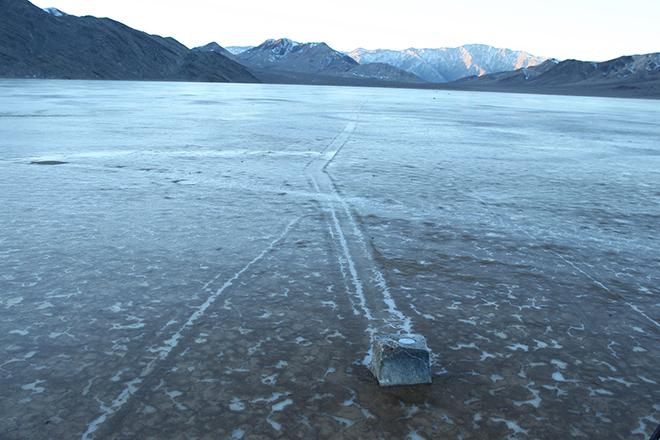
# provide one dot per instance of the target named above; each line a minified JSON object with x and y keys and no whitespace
{"x":286,"y":45}
{"x":278,"y":48}
{"x":235,"y":50}
{"x":214,"y":47}
{"x":288,"y":55}
{"x":281,"y":42}
{"x":55,"y":12}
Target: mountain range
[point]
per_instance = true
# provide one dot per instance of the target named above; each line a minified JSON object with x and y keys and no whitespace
{"x":449,"y":64}
{"x":284,"y":55}
{"x":634,"y":75}
{"x":48,"y":43}
{"x":431,"y":65}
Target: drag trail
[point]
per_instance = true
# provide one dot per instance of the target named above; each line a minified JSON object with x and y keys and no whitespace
{"x":369,"y":288}
{"x":133,"y":386}
{"x":370,"y":294}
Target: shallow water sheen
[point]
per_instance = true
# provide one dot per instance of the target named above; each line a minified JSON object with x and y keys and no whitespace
{"x":213,"y":261}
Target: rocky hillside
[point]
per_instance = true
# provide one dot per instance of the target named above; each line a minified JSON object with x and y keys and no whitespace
{"x":638,"y":75}
{"x":627,"y":69}
{"x":383,"y":72}
{"x":36,"y":43}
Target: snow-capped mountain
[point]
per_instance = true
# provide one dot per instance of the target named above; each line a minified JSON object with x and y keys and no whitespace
{"x":238,"y":49}
{"x":449,"y":64}
{"x":287,"y":55}
{"x":55,"y":12}
{"x":284,"y":55}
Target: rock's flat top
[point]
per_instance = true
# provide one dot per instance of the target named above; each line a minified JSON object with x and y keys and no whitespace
{"x":404,"y":341}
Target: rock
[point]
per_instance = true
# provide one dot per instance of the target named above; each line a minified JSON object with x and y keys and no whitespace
{"x":48,"y":162}
{"x":401,"y":360}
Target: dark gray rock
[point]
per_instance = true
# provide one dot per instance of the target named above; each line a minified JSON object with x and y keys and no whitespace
{"x":401,"y":360}
{"x":48,"y":162}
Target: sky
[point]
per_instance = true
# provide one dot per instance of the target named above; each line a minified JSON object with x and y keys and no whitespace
{"x":593,"y":30}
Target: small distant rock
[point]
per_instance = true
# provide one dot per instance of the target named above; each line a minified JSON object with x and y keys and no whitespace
{"x":48,"y":162}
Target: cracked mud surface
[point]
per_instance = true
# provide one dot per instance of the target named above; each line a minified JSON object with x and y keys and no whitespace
{"x":212,"y":261}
